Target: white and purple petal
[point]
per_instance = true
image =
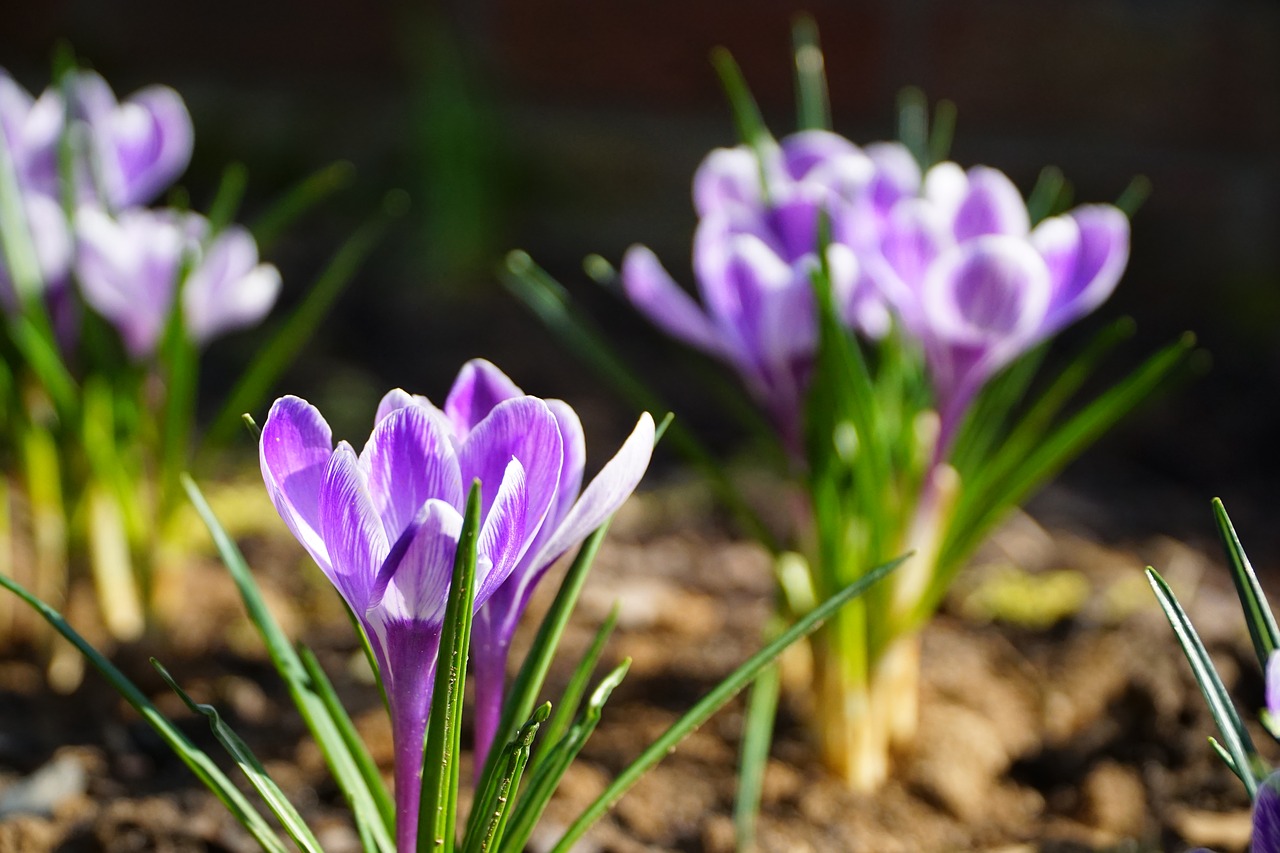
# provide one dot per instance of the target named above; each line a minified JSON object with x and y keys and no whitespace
{"x":653,"y":292}
{"x":409,"y":461}
{"x":479,"y":387}
{"x":294,"y":452}
{"x":351,"y":529}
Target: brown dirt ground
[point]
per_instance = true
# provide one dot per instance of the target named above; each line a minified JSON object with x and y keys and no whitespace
{"x":1057,"y":714}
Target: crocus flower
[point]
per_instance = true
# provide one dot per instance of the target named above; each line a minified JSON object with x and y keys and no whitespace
{"x":755,"y":251}
{"x":976,"y":286}
{"x":129,"y":152}
{"x":138,"y":147}
{"x":383,"y":526}
{"x":1266,"y":816}
{"x":575,"y":512}
{"x":128,"y":268}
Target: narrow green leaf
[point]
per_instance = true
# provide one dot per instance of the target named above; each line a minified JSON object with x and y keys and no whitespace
{"x":528,"y":682}
{"x":199,"y":762}
{"x":494,"y":806}
{"x":1234,"y":735}
{"x":35,"y":341}
{"x":1134,"y":195}
{"x":1043,"y":201}
{"x":716,"y":699}
{"x":812,"y":101}
{"x":438,"y":811}
{"x":226,"y":202}
{"x":746,"y":114}
{"x":942,"y":132}
{"x":249,"y":765}
{"x":913,"y":123}
{"x":986,"y":500}
{"x":355,"y":745}
{"x":1257,"y":612}
{"x":292,"y":335}
{"x":757,"y":737}
{"x":548,"y":773}
{"x":549,"y":301}
{"x":301,"y":689}
{"x":571,"y":699}
{"x":308,"y":192}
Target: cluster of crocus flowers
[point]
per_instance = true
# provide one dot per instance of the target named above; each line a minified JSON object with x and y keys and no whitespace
{"x":383,"y":526}
{"x":949,"y":256}
{"x":85,"y":214}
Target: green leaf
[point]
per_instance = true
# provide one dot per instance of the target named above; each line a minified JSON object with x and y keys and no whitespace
{"x":1234,"y":735}
{"x":309,"y":192}
{"x":494,"y":805}
{"x":942,"y":132}
{"x":548,"y":773}
{"x":757,"y":738}
{"x":1044,"y":200}
{"x":235,"y":178}
{"x":293,"y":334}
{"x":302,"y":690}
{"x":250,"y":766}
{"x":913,"y":124}
{"x":576,"y":688}
{"x":1006,"y":481}
{"x":355,"y":745}
{"x":1134,"y":195}
{"x":528,"y":682}
{"x":812,"y":101}
{"x":746,"y":114}
{"x":1257,"y":612}
{"x":199,"y":762}
{"x":716,"y":699}
{"x":438,"y":812}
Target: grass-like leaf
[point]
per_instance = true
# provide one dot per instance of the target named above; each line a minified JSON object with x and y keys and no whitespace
{"x":746,"y":113}
{"x":716,"y":699}
{"x":753,"y":756}
{"x":546,"y":777}
{"x":355,"y":745}
{"x":1257,"y":612}
{"x":1236,"y":740}
{"x":191,"y":755}
{"x":495,"y":804}
{"x":812,"y":102}
{"x":305,"y":195}
{"x":302,"y":690}
{"x":226,"y":202}
{"x":576,"y":687}
{"x":249,"y":765}
{"x":439,"y":803}
{"x":292,"y":335}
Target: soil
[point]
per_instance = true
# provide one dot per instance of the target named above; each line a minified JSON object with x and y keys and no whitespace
{"x":1057,"y":712}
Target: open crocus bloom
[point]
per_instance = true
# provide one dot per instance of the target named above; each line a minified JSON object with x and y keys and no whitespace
{"x":383,"y":526}
{"x":976,"y":286}
{"x":128,"y":152}
{"x":755,"y":252}
{"x":128,"y":268}
{"x":480,"y":389}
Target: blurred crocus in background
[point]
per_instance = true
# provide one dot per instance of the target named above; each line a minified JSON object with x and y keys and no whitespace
{"x":756,"y":249}
{"x":383,"y":525}
{"x":131,"y":267}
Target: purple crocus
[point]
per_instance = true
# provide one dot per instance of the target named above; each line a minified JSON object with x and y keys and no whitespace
{"x":478,"y":391}
{"x":128,"y":268}
{"x":755,"y":251}
{"x":128,"y":152}
{"x":1266,"y":815}
{"x":383,"y":526}
{"x":976,"y":286}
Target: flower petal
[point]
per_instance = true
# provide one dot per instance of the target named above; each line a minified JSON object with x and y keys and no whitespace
{"x":479,"y":387}
{"x":524,"y":429}
{"x":653,"y":292}
{"x":605,"y":493}
{"x":229,"y":289}
{"x":990,"y":290}
{"x":727,"y":177}
{"x":152,"y":138}
{"x":351,"y":530}
{"x":991,"y":205}
{"x":1086,"y":252}
{"x":409,"y":460}
{"x":505,"y":533}
{"x":294,"y":452}
{"x":413,"y":581}
{"x":1266,"y":817}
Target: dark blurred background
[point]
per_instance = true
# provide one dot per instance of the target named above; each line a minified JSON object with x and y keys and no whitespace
{"x":573,"y":126}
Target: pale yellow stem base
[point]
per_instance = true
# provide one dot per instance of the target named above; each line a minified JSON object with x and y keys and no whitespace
{"x":860,"y":726}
